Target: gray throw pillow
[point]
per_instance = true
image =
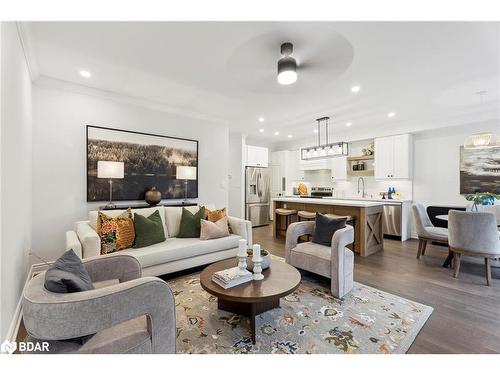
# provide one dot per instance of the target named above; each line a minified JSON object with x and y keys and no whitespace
{"x":68,"y":275}
{"x":325,"y":228}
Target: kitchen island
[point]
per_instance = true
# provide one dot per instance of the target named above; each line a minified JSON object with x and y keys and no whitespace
{"x":367,"y":218}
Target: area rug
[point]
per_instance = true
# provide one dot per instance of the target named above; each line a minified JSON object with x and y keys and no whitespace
{"x":310,"y":320}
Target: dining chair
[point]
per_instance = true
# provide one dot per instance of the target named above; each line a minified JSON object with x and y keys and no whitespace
{"x":426,"y":231}
{"x":495,"y":209}
{"x":474,"y":234}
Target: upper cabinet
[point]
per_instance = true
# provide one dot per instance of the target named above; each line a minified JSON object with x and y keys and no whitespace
{"x":338,"y":167}
{"x":393,"y":157}
{"x":257,"y":156}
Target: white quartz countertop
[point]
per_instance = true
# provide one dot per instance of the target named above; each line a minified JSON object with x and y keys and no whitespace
{"x":330,"y":202}
{"x":375,"y":200}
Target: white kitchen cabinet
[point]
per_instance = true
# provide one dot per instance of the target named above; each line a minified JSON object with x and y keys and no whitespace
{"x":257,"y":156}
{"x":312,"y":165}
{"x":393,"y":157}
{"x":284,"y":171}
{"x":338,"y":167}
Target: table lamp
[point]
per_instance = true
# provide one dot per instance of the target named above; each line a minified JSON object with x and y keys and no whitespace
{"x":110,"y":170}
{"x":185,"y":173}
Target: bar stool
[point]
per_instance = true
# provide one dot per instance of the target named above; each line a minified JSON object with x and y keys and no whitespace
{"x":306,"y":216}
{"x":288,"y":214}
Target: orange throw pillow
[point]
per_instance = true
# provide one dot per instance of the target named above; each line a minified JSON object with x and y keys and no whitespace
{"x":116,"y":233}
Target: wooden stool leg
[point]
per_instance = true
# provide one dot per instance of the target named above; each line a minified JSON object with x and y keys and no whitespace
{"x":487,"y":262}
{"x":456,"y":257}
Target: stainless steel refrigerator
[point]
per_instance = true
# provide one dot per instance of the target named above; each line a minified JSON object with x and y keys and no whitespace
{"x":257,"y":195}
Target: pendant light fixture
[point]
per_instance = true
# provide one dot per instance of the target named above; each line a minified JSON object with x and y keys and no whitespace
{"x":482,"y":140}
{"x":287,"y":66}
{"x":327,"y":149}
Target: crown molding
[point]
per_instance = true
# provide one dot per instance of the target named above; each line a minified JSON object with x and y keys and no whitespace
{"x":54,"y":83}
{"x":29,"y":53}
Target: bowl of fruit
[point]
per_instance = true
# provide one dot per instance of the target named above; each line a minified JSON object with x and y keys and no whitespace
{"x":266,"y":259}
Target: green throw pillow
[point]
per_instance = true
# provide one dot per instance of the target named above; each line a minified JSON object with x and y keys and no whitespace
{"x":148,"y":230}
{"x":190,"y":223}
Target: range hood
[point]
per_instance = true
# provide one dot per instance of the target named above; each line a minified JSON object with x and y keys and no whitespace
{"x":327,"y":149}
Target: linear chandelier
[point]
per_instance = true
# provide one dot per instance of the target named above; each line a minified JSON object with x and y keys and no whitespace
{"x":327,"y":149}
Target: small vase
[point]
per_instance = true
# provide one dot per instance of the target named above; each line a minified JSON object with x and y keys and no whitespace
{"x":152,"y":196}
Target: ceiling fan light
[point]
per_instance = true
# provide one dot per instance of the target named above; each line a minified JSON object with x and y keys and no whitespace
{"x":287,"y":70}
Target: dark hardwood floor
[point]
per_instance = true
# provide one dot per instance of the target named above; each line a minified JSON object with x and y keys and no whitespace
{"x":466,"y":311}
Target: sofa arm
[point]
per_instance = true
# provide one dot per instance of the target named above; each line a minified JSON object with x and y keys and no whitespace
{"x":241,"y":227}
{"x":342,"y":262}
{"x":72,"y":242}
{"x":294,"y":231}
{"x":59,"y":316}
{"x":91,"y":243}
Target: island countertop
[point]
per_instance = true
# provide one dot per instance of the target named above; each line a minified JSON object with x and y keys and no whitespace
{"x":330,"y":202}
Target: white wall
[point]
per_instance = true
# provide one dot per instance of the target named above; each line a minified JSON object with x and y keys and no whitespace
{"x":237,"y":161}
{"x":436,"y":176}
{"x":59,"y":153}
{"x":16,"y":171}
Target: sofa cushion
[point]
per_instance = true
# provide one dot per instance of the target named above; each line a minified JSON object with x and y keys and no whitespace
{"x":116,"y":233}
{"x":180,"y":248}
{"x":173,"y":218}
{"x":190,"y":223}
{"x":141,"y":211}
{"x":210,"y":231}
{"x":149,"y":230}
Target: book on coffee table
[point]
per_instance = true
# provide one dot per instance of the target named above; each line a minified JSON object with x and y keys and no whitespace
{"x":231,"y":277}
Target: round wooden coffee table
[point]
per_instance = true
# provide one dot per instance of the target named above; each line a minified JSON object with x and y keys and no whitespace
{"x":252,"y":298}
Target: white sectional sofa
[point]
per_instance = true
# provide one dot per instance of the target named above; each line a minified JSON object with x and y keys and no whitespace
{"x":174,"y":254}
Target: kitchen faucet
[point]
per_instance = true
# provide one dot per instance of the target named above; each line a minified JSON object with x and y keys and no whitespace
{"x":363,"y":194}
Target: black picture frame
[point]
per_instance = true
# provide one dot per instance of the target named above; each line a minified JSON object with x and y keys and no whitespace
{"x":193,"y":185}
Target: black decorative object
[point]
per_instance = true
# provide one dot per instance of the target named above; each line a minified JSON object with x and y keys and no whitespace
{"x":152,"y":196}
{"x":149,"y":160}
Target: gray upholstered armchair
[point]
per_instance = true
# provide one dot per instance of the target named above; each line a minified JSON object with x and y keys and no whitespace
{"x":126,"y":313}
{"x":335,"y":262}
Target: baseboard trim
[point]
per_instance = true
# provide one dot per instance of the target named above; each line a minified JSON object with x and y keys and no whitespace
{"x":18,"y":314}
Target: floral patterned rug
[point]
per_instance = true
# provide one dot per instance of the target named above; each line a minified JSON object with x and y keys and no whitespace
{"x":310,"y":320}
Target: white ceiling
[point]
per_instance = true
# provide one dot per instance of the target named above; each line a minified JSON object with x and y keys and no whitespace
{"x":428,"y":73}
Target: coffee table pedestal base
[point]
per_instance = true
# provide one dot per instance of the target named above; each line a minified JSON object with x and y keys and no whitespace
{"x":250,"y":310}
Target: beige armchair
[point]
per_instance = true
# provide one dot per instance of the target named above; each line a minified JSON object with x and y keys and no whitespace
{"x":474,"y":234}
{"x":125,"y":313}
{"x":426,"y":231}
{"x":335,"y":262}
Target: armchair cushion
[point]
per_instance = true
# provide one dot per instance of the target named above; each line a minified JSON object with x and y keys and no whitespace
{"x":325,"y":227}
{"x":68,"y":275}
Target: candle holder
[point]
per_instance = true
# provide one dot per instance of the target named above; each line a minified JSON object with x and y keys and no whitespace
{"x":257,"y":263}
{"x":242,"y":256}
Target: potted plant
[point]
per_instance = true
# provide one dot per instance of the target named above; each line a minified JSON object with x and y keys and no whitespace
{"x":485,"y":199}
{"x":266,"y":259}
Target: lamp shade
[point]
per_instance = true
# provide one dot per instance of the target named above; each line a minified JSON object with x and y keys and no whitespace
{"x":185,"y":173}
{"x":110,"y":169}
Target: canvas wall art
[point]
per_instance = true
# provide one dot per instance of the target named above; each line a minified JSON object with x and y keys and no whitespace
{"x":149,"y":160}
{"x":480,"y":170}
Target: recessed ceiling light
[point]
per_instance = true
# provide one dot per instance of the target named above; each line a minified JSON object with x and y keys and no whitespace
{"x":261,"y":130}
{"x":315,"y":130}
{"x":348,"y":124}
{"x":391,"y":114}
{"x":276,"y":133}
{"x":85,"y":73}
{"x":355,"y":88}
{"x":261,"y":119}
{"x":290,"y":136}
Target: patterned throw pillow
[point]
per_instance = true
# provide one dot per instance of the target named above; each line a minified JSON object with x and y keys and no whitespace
{"x":116,"y":233}
{"x":215,"y":215}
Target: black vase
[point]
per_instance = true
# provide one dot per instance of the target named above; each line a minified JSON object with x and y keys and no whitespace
{"x":152,"y":196}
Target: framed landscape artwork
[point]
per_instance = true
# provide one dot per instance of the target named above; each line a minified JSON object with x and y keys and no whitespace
{"x":480,"y":170}
{"x":149,"y":161}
